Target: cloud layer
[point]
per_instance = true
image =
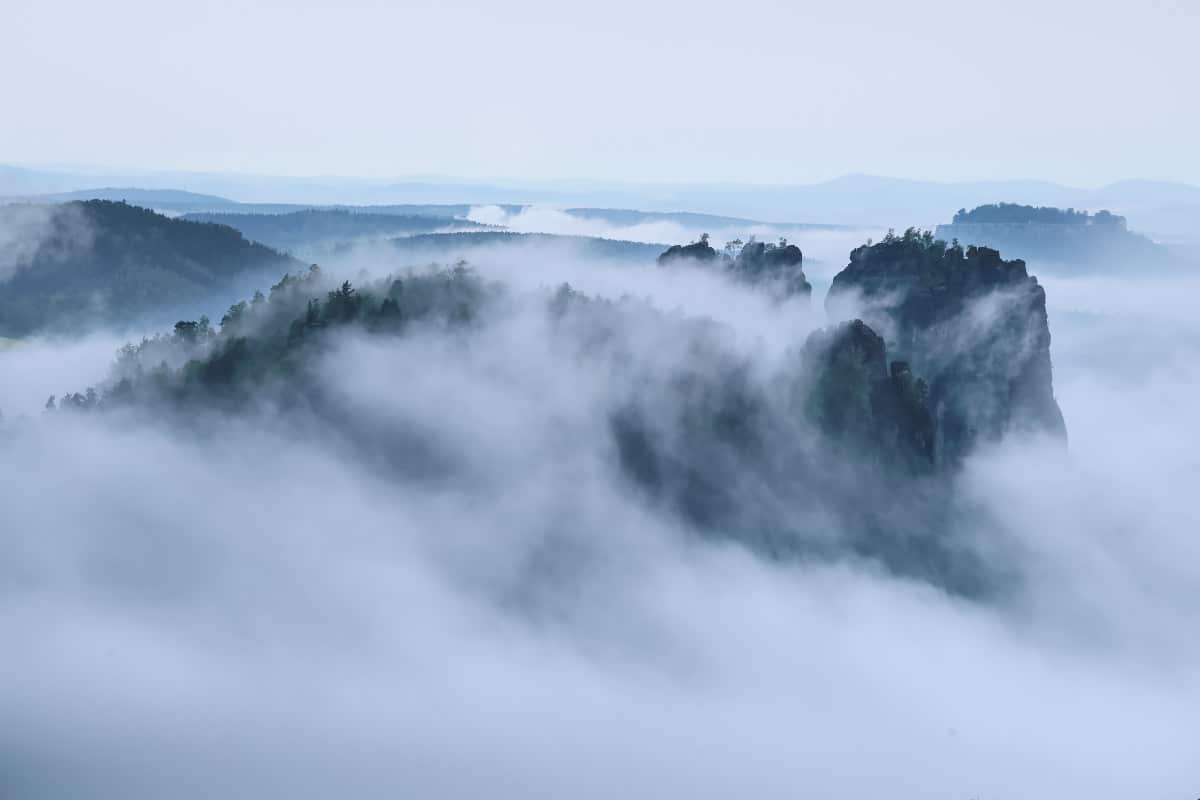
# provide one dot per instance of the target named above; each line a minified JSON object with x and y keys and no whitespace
{"x":249,"y":608}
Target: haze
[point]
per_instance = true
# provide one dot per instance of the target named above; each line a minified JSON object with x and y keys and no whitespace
{"x":630,"y":400}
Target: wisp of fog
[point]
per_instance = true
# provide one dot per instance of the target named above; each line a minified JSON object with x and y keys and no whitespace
{"x":269,"y":607}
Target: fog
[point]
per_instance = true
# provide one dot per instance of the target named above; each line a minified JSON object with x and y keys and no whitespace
{"x":824,"y":249}
{"x":35,"y":368}
{"x":477,"y":603}
{"x":24,"y":228}
{"x":546,"y":219}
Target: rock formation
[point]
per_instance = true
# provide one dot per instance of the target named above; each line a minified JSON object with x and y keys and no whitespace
{"x":858,"y":399}
{"x":700,"y":251}
{"x":971,"y":323}
{"x":779,"y":268}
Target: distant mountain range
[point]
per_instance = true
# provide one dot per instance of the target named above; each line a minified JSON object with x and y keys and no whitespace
{"x":81,"y":265}
{"x":447,"y":246}
{"x":630,"y":217}
{"x":310,"y":231}
{"x":171,"y":199}
{"x":178,"y":202}
{"x":1165,"y":210}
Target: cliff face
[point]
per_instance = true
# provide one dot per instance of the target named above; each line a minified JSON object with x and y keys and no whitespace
{"x":780,"y":268}
{"x":857,"y":398}
{"x":971,"y":324}
{"x":853,"y":445}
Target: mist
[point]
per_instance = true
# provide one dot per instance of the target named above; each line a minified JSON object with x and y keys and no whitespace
{"x":546,"y":219}
{"x":456,"y":592}
{"x":825,"y":248}
{"x":36,"y":368}
{"x":26,"y":228}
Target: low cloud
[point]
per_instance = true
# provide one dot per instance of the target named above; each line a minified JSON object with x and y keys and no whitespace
{"x":824,"y":247}
{"x":263,"y":607}
{"x":37,"y":367}
{"x":26,"y":229}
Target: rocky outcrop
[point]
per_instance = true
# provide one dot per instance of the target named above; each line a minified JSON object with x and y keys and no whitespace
{"x":973,"y":324}
{"x":858,"y":399}
{"x":852,"y":446}
{"x":778,"y":268}
{"x":700,"y":251}
{"x":830,"y":458}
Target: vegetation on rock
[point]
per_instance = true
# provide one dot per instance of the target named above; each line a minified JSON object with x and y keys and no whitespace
{"x":778,"y":267}
{"x":971,"y":323}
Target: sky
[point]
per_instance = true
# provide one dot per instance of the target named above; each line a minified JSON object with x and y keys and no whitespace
{"x":758,"y":92}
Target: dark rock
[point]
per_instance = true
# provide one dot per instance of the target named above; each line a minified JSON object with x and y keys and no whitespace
{"x":973,"y":323}
{"x":696,"y":251}
{"x":776,"y":267}
{"x":856,"y":400}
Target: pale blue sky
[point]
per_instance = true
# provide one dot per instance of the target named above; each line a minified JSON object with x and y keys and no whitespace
{"x":755,"y":91}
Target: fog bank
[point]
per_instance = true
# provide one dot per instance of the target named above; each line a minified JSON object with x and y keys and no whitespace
{"x":250,"y":607}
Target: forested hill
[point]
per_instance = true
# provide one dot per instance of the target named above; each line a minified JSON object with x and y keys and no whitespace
{"x":1056,"y":236}
{"x":1040,"y":215}
{"x":849,"y":431}
{"x":317,"y":228}
{"x":78,"y":265}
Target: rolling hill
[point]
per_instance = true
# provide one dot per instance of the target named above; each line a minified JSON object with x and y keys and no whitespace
{"x":79,"y":265}
{"x":314,"y":229}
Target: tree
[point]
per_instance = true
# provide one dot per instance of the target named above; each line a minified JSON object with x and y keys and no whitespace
{"x":312,"y":314}
{"x":234,"y":315}
{"x":187,"y":330}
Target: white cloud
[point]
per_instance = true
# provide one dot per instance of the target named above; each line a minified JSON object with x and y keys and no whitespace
{"x":471,"y":603}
